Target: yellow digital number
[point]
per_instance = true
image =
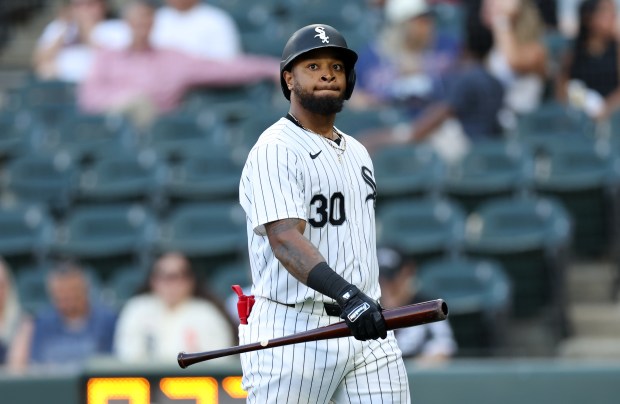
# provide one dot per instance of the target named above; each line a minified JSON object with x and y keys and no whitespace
{"x":101,"y":390}
{"x":232,"y":386}
{"x":201,"y":389}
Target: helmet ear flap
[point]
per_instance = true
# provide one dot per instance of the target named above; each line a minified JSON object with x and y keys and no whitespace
{"x":350,"y":84}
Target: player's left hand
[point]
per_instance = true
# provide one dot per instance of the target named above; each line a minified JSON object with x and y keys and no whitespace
{"x":362,"y":315}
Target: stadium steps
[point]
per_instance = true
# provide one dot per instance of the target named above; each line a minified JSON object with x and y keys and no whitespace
{"x":594,"y":314}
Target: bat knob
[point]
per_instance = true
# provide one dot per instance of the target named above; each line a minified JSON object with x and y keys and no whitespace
{"x":181,"y":360}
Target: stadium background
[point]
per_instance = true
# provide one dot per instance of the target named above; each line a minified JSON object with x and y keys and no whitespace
{"x":520,"y":239}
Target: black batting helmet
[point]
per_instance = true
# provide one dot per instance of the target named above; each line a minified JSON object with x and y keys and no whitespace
{"x":318,"y":36}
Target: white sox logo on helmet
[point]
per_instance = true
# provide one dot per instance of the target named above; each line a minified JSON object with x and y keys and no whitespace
{"x":321,"y":34}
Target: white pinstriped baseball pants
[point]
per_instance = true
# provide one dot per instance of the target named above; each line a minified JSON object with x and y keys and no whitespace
{"x":341,"y":370}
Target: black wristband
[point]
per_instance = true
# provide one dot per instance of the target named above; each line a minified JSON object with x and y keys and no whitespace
{"x":325,"y":280}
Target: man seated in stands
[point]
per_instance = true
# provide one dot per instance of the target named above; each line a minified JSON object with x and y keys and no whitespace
{"x":72,"y":329}
{"x":146,"y":81}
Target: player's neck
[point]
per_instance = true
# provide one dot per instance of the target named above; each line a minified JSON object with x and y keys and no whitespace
{"x":321,"y":124}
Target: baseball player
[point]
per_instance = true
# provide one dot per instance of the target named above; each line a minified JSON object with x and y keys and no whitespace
{"x":308,"y":191}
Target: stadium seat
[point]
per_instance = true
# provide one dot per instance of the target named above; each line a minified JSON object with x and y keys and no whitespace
{"x":210,"y":175}
{"x":530,"y":237}
{"x":228,"y":104}
{"x":356,"y":122}
{"x":552,"y":118}
{"x":223,"y":277}
{"x":488,"y":170}
{"x":48,"y":103}
{"x":208,"y":233}
{"x":174,"y":136}
{"x":106,"y":236}
{"x":26,"y":232}
{"x":584,"y":178}
{"x":14,"y":139}
{"x":404,"y":171}
{"x":123,"y":284}
{"x":47,"y":179}
{"x":123,"y":178}
{"x":422,"y":228}
{"x":87,"y":137}
{"x":478,"y":294}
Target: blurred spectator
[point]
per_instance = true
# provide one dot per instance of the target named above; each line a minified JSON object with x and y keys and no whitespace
{"x":589,"y":78}
{"x":432,"y":342}
{"x":65,"y":49}
{"x":171,"y":316}
{"x":197,"y":29}
{"x":468,"y":113}
{"x":145,"y":81}
{"x":407,"y":63}
{"x":519,"y":57}
{"x":10,"y":310}
{"x":74,"y":328}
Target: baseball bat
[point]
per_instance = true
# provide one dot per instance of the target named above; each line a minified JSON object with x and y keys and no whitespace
{"x":400,"y":317}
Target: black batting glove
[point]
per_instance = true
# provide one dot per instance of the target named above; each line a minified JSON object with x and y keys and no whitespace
{"x":362,"y":314}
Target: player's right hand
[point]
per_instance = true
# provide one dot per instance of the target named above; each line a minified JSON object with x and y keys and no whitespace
{"x":362,"y":315}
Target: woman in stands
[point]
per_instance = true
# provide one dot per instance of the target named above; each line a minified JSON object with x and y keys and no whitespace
{"x":171,"y":316}
{"x":591,"y":70}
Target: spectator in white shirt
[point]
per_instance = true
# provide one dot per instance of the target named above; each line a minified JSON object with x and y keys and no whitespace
{"x":198,"y":29}
{"x":66,"y":47}
{"x":171,"y":316}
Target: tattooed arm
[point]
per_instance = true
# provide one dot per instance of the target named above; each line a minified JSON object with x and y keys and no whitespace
{"x":298,"y":255}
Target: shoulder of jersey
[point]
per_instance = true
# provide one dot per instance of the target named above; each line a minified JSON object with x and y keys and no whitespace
{"x":275,"y":134}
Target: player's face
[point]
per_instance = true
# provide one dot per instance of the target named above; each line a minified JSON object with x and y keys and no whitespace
{"x":318,"y":82}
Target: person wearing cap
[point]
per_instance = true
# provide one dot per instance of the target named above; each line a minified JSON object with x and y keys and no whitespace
{"x":406,"y":65}
{"x":428,"y":343}
{"x":308,"y":191}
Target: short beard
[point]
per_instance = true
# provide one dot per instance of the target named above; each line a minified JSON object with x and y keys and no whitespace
{"x":327,"y":105}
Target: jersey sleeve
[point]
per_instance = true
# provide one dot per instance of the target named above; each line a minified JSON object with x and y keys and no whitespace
{"x":272,"y":186}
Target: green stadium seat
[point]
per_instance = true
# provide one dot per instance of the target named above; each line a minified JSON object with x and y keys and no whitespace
{"x":123,"y":178}
{"x":356,"y":122}
{"x":88,"y":137}
{"x":14,"y":140}
{"x":48,"y":103}
{"x":530,"y":237}
{"x":25,"y":236}
{"x":106,"y":236}
{"x":583,"y":177}
{"x":421,"y":228}
{"x":123,"y":284}
{"x":404,"y":171}
{"x":488,"y":170}
{"x":478,"y":294}
{"x":208,"y":233}
{"x":46,"y":179}
{"x":210,"y":175}
{"x":553,"y":118}
{"x":174,"y":136}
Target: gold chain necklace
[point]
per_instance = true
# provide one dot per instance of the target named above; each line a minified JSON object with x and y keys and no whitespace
{"x":339,"y":151}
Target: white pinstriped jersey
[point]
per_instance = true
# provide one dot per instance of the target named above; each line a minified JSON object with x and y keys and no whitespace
{"x":293,"y":173}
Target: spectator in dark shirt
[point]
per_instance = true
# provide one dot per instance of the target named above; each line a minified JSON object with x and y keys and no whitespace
{"x":468,"y":113}
{"x":590,"y":72}
{"x":73,"y":329}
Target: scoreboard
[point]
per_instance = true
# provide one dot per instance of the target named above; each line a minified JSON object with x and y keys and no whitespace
{"x":163,"y":386}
